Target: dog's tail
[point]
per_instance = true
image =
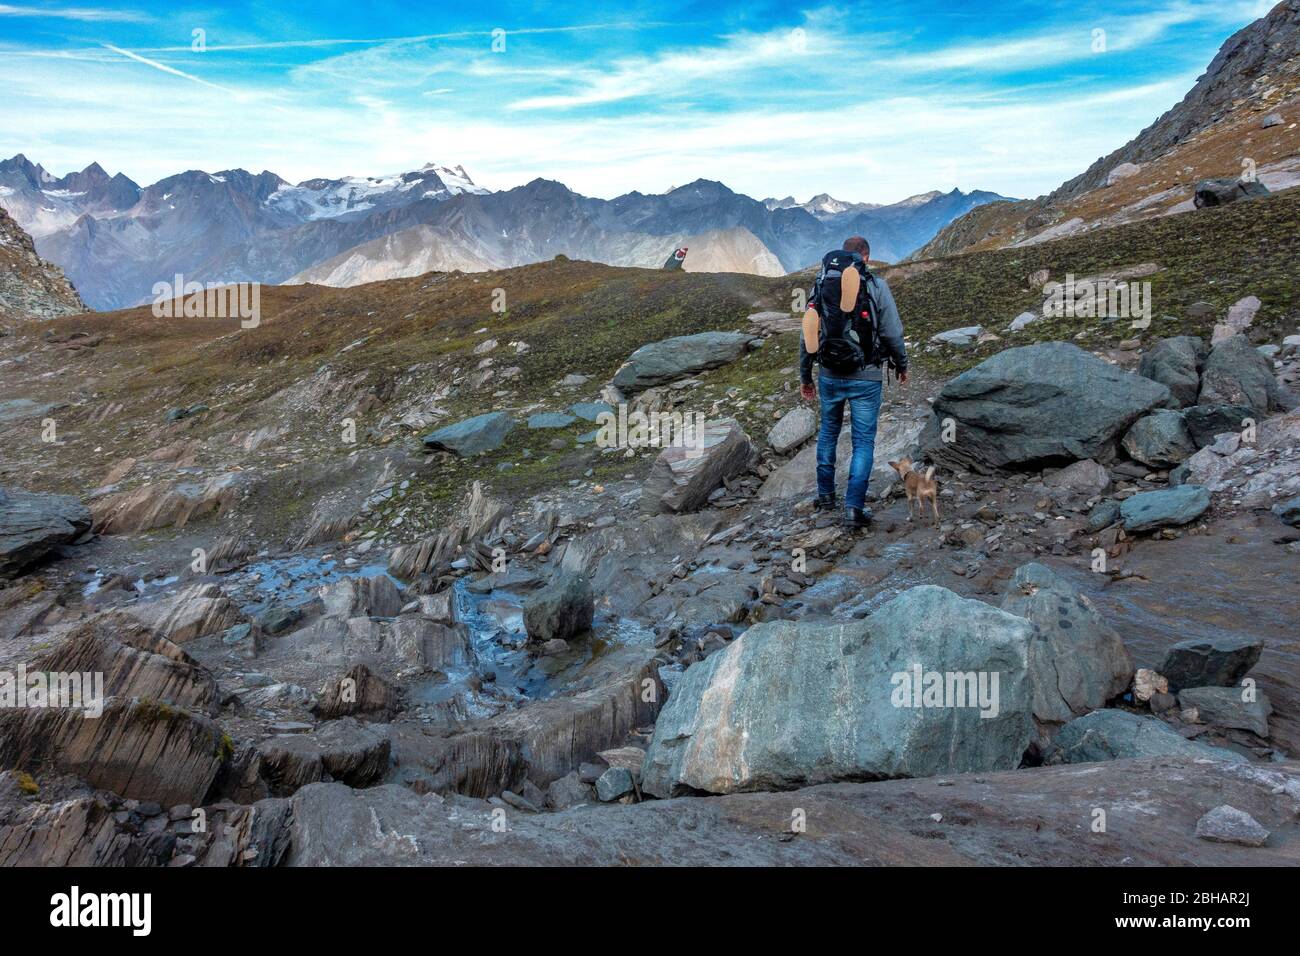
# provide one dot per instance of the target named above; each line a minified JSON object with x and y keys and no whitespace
{"x":929,"y":473}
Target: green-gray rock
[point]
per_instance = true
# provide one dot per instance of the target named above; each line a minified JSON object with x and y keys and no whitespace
{"x":1164,"y":509}
{"x":1160,"y":439}
{"x":662,"y":362}
{"x":1118,"y":734}
{"x":1037,"y":405}
{"x":1078,"y":662}
{"x":1229,"y":707}
{"x":473,"y":436}
{"x":1175,"y":363}
{"x":793,"y":704}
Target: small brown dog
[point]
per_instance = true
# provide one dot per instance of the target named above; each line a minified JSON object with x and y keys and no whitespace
{"x":918,"y":486}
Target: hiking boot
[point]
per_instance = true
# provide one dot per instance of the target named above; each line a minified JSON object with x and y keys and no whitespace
{"x":858,"y":518}
{"x":825,"y":503}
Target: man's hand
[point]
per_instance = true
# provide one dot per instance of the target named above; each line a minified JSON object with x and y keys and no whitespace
{"x":807,"y":392}
{"x":902,"y":378}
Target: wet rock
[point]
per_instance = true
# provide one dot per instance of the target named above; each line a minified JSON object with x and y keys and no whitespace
{"x":1225,"y":824}
{"x":1236,"y":374}
{"x":1037,"y":404}
{"x":790,"y":704}
{"x":348,"y":751}
{"x":614,"y":783}
{"x":1148,"y":510}
{"x":795,"y":427}
{"x":1228,"y":707}
{"x":358,"y":693}
{"x":1207,"y":422}
{"x":662,"y":362}
{"x":1118,"y":735}
{"x":1077,"y":661}
{"x":473,"y":436}
{"x":683,"y":476}
{"x":1175,"y":363}
{"x":279,"y":618}
{"x":1220,"y":661}
{"x":1160,"y":439}
{"x":1221,"y":192}
{"x":32,"y":525}
{"x":137,"y":748}
{"x":562,"y":609}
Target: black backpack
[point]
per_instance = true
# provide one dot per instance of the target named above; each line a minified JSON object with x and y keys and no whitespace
{"x":847,"y":342}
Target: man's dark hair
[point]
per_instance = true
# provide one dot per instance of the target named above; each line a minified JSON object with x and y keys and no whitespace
{"x":859,"y":245}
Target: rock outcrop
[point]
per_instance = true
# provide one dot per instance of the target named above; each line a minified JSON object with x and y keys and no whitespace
{"x":32,"y":525}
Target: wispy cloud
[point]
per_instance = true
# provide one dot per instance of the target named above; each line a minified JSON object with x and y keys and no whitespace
{"x":85,"y":14}
{"x":167,"y":69}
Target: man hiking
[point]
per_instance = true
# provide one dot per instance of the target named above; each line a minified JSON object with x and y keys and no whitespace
{"x":851,"y":330}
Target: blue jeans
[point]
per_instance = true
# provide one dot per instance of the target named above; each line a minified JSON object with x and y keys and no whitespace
{"x":863,"y":399}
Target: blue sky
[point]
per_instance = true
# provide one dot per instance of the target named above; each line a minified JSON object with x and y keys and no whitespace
{"x":873,"y":102}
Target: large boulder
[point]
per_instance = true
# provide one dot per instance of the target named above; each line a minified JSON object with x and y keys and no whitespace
{"x":1221,"y":192}
{"x":662,"y":362}
{"x":1219,"y":661}
{"x":1036,"y":405}
{"x":1160,"y":439}
{"x":358,"y":693}
{"x":1167,"y":508}
{"x":473,"y":436}
{"x":1078,"y":662}
{"x":1118,"y":735}
{"x":1237,"y":374}
{"x":1176,"y":364}
{"x":930,"y":683}
{"x":562,"y":609}
{"x":370,"y":596}
{"x":683,"y":476}
{"x":32,"y":525}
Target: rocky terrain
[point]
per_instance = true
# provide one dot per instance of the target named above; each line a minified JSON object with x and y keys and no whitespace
{"x":521,"y":565}
{"x":30,"y":287}
{"x":364,"y":585}
{"x":1241,"y":121}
